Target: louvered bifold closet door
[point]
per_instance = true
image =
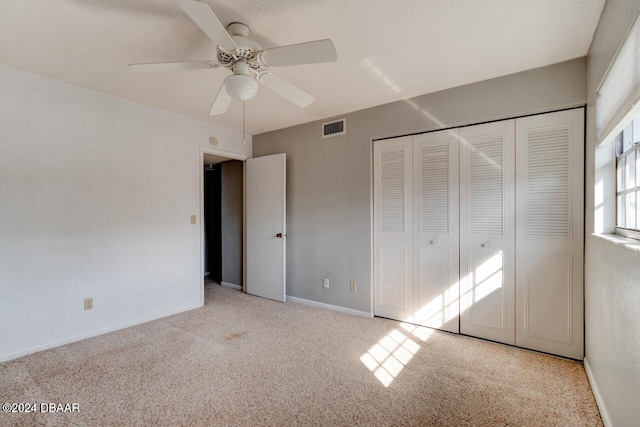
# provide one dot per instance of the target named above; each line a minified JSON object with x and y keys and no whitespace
{"x":393,"y":228}
{"x":436,"y":289}
{"x":549,"y":227}
{"x":487,"y":241}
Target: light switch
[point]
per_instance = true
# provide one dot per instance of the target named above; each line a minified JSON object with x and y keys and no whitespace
{"x":193,"y":219}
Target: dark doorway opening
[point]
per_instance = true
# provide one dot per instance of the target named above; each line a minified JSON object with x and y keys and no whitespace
{"x":213,"y":221}
{"x":223,"y":223}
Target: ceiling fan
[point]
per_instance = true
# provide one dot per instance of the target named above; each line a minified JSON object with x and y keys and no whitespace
{"x":243,"y":56}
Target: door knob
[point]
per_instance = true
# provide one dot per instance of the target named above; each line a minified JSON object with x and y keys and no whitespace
{"x":485,"y":244}
{"x":280,"y":235}
{"x":434,"y":242}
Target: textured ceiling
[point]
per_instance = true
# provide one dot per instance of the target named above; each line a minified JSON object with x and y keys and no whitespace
{"x":387,"y":49}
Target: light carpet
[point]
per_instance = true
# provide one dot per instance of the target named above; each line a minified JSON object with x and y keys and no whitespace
{"x":242,"y":360}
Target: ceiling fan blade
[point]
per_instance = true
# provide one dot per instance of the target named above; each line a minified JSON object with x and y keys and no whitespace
{"x":222,"y":101}
{"x":284,"y":88}
{"x":298,"y":54}
{"x":208,"y":22}
{"x":170,"y":66}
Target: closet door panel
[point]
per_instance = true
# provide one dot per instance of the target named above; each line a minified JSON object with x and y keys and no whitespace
{"x":393,"y":222}
{"x":484,"y":291}
{"x":546,"y":293}
{"x":394,"y":286}
{"x":436,"y":304}
{"x":487,"y":238}
{"x":436,"y":230}
{"x":550,"y":237}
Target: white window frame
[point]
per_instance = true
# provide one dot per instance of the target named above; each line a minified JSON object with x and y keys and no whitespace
{"x":627,"y":145}
{"x":617,"y":105}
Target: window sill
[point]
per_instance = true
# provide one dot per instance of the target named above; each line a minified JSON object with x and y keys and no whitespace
{"x":626,"y":232}
{"x":618,"y":240}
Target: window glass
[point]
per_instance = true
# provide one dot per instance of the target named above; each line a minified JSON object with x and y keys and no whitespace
{"x":630,"y":211}
{"x":637,"y":168}
{"x":619,"y":209}
{"x":630,"y":171}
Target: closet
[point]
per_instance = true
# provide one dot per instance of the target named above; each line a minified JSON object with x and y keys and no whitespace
{"x":479,"y":230}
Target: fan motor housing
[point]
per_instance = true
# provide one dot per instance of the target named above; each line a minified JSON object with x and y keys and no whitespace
{"x":246,"y":50}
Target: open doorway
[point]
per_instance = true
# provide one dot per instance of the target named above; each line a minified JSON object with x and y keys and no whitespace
{"x":263,"y":249}
{"x":223,"y":206}
{"x":222,"y":225}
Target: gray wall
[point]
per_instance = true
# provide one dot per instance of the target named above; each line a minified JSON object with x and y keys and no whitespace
{"x":232,"y":222}
{"x":329,"y":181}
{"x":612,"y":271}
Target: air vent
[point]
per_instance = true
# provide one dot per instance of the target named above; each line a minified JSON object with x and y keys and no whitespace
{"x":336,"y":128}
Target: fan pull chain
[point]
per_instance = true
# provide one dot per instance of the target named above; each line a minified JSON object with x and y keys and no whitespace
{"x":244,"y":139}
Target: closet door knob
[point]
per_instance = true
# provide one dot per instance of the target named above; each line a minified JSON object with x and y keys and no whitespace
{"x":434,"y":242}
{"x":485,"y":244}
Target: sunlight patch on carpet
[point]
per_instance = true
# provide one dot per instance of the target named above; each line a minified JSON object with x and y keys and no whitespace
{"x":392,"y":353}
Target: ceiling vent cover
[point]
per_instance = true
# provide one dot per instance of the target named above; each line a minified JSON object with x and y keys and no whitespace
{"x":330,"y":129}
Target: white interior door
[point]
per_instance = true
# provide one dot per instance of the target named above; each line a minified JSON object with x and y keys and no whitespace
{"x":436,"y":290}
{"x":393,"y":230}
{"x":487,"y":231}
{"x":549,"y":233}
{"x":266,"y":226}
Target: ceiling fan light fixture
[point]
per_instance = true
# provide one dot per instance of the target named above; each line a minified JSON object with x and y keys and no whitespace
{"x":242,"y":55}
{"x":241,"y":87}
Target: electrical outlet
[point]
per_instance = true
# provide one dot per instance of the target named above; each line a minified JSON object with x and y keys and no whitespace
{"x":88,"y":304}
{"x":325,"y":283}
{"x":352,"y":286}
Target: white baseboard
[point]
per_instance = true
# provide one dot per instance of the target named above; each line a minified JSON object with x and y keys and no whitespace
{"x":231,"y":285}
{"x":330,"y":307}
{"x":53,"y":344}
{"x":606,"y":420}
